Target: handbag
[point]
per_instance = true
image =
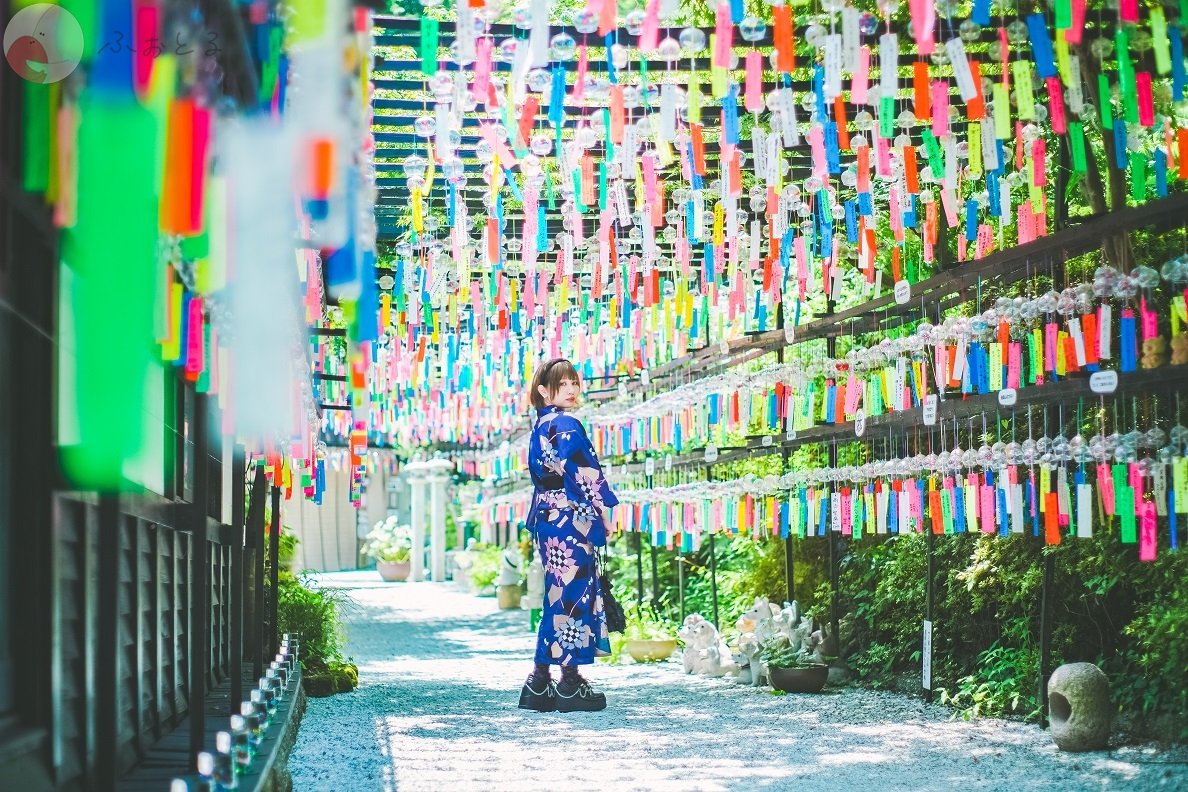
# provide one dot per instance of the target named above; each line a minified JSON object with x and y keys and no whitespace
{"x":616,"y":619}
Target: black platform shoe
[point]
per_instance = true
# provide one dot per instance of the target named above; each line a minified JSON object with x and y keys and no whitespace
{"x":578,"y":696}
{"x":539,"y":696}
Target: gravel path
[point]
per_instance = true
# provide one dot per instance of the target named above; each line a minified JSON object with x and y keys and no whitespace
{"x":440,"y":672}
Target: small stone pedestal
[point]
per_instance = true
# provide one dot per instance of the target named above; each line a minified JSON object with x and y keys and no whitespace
{"x":1079,"y":708}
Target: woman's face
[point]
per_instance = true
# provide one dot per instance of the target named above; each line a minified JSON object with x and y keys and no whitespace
{"x":566,"y":396}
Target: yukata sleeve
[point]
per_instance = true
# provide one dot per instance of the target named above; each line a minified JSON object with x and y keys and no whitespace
{"x":585,"y":485}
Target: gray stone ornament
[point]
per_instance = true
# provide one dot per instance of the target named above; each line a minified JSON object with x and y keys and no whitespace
{"x":1079,"y":707}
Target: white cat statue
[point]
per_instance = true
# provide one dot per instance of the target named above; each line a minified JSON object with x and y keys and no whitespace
{"x":706,"y":652}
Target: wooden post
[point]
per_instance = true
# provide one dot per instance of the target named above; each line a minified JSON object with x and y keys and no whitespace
{"x":785,"y":453}
{"x":238,"y":591}
{"x":639,"y":587}
{"x":1045,"y":637}
{"x":709,"y":475}
{"x":199,"y":581}
{"x":107,"y":649}
{"x":929,"y":603}
{"x":274,"y":553}
{"x":256,"y":538}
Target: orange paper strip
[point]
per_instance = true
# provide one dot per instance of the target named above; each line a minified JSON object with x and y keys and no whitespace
{"x":921,"y":91}
{"x":781,"y":20}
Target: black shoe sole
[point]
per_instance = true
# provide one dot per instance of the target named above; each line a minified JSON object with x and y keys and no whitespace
{"x":537,"y":703}
{"x":579,"y":705}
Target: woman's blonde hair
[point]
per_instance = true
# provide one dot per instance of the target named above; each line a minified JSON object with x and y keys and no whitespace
{"x":551,"y":375}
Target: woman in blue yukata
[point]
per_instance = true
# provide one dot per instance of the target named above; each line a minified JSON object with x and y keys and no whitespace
{"x":570,"y":505}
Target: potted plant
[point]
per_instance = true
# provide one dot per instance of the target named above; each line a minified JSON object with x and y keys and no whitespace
{"x":648,"y":639}
{"x":390,"y":544}
{"x":794,"y":664}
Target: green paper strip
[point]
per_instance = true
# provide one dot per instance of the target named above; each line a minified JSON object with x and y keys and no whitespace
{"x":549,"y":190}
{"x":38,"y":114}
{"x":1103,"y":102}
{"x":109,"y":299}
{"x":694,"y":94}
{"x":1124,"y":505}
{"x":1002,"y":112}
{"x":1076,"y":141}
{"x":1063,"y":14}
{"x":577,"y":191}
{"x":429,"y":28}
{"x":1129,"y":99}
{"x":887,"y":117}
{"x":935,"y":156}
{"x":1035,"y":345}
{"x":1122,"y":50}
{"x":1162,"y":46}
{"x":1024,"y":90}
{"x":602,"y":186}
{"x":1138,"y":175}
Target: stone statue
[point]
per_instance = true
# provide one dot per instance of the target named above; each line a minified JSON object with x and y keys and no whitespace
{"x":705,"y":650}
{"x":536,"y":583}
{"x":1079,"y":708}
{"x":509,"y":570}
{"x":755,"y":626}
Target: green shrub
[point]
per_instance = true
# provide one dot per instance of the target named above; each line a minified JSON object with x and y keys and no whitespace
{"x":314,"y":613}
{"x":484,"y":563}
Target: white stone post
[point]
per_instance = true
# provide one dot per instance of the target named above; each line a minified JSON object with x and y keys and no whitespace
{"x":416,"y":485}
{"x":437,"y":480}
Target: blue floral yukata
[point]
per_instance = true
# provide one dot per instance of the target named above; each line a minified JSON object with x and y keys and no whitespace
{"x":567,"y":521}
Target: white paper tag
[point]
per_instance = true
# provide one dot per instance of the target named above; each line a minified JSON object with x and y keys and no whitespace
{"x":1007,"y":397}
{"x":789,"y":332}
{"x":711,"y":453}
{"x":1159,"y":478}
{"x":650,"y":466}
{"x":903,"y":292}
{"x":860,"y":423}
{"x":926,"y":656}
{"x":1084,"y":511}
{"x":621,"y":206}
{"x":930,"y":405}
{"x":623,"y":388}
{"x":668,"y":111}
{"x":1105,"y":322}
{"x":668,"y":462}
{"x":851,"y":34}
{"x":724,"y":347}
{"x":645,"y":378}
{"x":766,"y":441}
{"x":965,"y":83}
{"x":833,"y":66}
{"x":791,"y":435}
{"x":889,"y":64}
{"x":1103,"y":381}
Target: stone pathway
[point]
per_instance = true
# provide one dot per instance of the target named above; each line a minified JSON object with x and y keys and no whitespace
{"x":440,"y":672}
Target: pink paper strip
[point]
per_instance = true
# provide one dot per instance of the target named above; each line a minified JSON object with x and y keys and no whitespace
{"x":754,"y":89}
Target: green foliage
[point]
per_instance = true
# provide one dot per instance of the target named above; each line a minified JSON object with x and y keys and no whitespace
{"x":643,"y":626}
{"x":482,"y":563}
{"x":313,"y":612}
{"x":777,"y":652}
{"x":389,"y":541}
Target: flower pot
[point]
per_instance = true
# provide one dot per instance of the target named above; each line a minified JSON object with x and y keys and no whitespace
{"x":644,"y":651}
{"x":509,"y":597}
{"x":392,"y":571}
{"x":809,"y":679}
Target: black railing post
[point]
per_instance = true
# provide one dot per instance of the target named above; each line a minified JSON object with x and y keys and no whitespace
{"x":199,"y":580}
{"x":107,"y":648}
{"x":1045,"y":638}
{"x":639,"y":587}
{"x":256,"y":542}
{"x":274,"y":552}
{"x":238,"y":592}
{"x":929,"y":604}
